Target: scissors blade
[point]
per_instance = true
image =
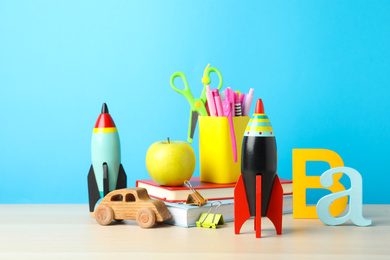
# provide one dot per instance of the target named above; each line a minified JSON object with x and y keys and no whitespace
{"x":193,"y":121}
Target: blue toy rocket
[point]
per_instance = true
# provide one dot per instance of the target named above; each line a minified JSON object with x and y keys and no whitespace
{"x":106,"y":173}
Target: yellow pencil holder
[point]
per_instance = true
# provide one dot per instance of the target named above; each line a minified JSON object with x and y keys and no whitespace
{"x":215,"y":148}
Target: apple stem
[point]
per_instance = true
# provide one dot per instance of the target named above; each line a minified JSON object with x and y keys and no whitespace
{"x":168,"y":141}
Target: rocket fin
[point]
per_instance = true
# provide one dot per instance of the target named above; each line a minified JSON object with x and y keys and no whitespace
{"x":241,"y":208}
{"x":122,"y":178}
{"x":258,"y":206}
{"x":275,"y":208}
{"x":105,"y":179}
{"x":93,"y":190}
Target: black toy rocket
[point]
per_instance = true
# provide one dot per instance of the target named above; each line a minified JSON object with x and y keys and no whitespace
{"x":258,"y":191}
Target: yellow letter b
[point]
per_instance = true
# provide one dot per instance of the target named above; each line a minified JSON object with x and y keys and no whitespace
{"x":301,"y":182}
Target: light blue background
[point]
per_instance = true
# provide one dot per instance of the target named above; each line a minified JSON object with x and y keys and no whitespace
{"x":322,"y":69}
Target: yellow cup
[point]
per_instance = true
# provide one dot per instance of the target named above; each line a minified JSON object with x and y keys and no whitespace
{"x":215,"y":148}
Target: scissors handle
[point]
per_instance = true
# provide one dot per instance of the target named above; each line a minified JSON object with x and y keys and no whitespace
{"x":206,"y":81}
{"x":186,"y":91}
{"x":196,"y":104}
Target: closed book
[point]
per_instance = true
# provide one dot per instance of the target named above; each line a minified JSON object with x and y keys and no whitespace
{"x":208,"y":190}
{"x":186,"y":215}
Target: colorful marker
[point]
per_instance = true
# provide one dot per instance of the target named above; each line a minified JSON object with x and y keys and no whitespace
{"x":106,"y":173}
{"x":218,"y":102}
{"x":210,"y":102}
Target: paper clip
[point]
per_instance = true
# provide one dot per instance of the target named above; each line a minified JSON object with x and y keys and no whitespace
{"x":212,"y":220}
{"x":194,"y":198}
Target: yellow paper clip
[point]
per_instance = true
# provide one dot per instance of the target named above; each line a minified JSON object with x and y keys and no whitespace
{"x":212,"y":220}
{"x":194,"y":198}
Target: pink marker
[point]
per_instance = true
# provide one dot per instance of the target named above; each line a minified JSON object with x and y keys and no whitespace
{"x":229,"y":96}
{"x":242,"y":99}
{"x":248,"y":102}
{"x":228,"y":113}
{"x":210,"y":101}
{"x":218,"y":102}
{"x":207,"y":108}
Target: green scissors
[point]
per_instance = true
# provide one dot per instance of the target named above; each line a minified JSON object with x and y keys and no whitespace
{"x":197,"y":104}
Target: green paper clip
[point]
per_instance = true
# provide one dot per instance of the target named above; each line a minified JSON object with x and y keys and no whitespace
{"x":212,"y":220}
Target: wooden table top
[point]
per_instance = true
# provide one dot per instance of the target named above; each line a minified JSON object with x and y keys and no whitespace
{"x":69,"y":232}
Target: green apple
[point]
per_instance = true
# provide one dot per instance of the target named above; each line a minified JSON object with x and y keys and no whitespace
{"x":170,"y":163}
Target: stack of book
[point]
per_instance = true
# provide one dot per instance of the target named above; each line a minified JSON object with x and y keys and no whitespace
{"x":187,"y":215}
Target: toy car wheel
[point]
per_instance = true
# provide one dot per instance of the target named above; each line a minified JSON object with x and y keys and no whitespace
{"x":104,"y":215}
{"x":146,"y":217}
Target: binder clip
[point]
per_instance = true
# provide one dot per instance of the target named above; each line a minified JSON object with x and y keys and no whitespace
{"x":212,"y":220}
{"x":194,"y":198}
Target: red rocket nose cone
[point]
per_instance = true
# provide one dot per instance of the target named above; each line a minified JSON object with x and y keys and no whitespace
{"x":104,"y":119}
{"x":259,"y":107}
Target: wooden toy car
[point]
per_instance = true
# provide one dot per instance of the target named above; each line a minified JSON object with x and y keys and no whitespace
{"x":130,"y":204}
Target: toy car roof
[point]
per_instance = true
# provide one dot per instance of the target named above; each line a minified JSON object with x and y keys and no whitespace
{"x":141,"y":193}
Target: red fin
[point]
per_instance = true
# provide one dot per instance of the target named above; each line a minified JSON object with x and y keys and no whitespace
{"x":241,"y":209}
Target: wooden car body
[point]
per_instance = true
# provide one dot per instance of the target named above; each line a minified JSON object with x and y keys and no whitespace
{"x":125,"y":203}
